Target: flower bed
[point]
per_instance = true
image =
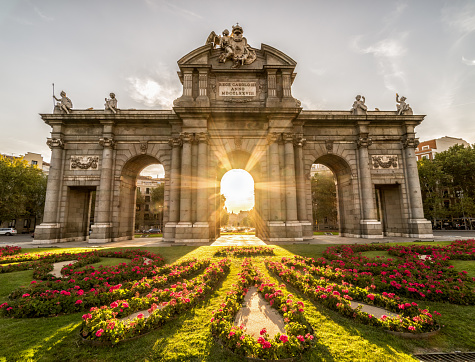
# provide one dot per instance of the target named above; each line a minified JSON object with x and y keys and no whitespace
{"x":411,"y":319}
{"x":55,"y":297}
{"x":297,"y":339}
{"x":9,"y":250}
{"x":406,"y":274}
{"x":105,"y":324}
{"x":246,"y":251}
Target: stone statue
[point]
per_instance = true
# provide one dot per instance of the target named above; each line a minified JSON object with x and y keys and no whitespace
{"x":111,"y":103}
{"x":64,"y":103}
{"x":359,"y":108}
{"x":233,"y":47}
{"x":402,"y":107}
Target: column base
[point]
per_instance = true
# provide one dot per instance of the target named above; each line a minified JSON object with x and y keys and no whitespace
{"x":47,"y":233}
{"x":183,"y":231}
{"x":371,"y":229}
{"x":420,"y":228}
{"x":101,"y":233}
{"x":307,"y":230}
{"x":169,"y":231}
{"x":201,"y":231}
{"x":293,"y":230}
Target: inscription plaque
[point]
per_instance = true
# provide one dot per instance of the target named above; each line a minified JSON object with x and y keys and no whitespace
{"x":237,"y":89}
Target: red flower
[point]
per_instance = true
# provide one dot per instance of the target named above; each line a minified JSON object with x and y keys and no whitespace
{"x":263,"y":331}
{"x":284,"y":338}
{"x":79,"y":301}
{"x":99,"y":332}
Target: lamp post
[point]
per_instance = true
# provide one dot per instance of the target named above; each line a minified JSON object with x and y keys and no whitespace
{"x":460,"y":196}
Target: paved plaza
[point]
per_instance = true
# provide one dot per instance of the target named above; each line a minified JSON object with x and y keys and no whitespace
{"x":26,"y":241}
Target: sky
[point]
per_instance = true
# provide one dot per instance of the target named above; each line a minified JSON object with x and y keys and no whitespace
{"x":421,"y":49}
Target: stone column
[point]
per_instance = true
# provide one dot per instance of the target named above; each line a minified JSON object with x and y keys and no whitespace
{"x":370,"y":226}
{"x":418,"y":225}
{"x":274,"y":177}
{"x":300,"y":177}
{"x":201,"y":226}
{"x":53,"y":191}
{"x":49,"y":230}
{"x":101,"y":229}
{"x":174,"y":214}
{"x":185,"y":198}
{"x":203,"y":183}
{"x":290,"y":186}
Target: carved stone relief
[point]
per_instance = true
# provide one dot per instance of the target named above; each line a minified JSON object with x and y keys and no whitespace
{"x":143,"y":147}
{"x":385,"y":161}
{"x":84,"y":162}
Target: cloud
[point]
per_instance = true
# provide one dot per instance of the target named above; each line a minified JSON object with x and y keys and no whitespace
{"x":173,"y":8}
{"x":462,"y":20}
{"x":387,"y":53}
{"x":155,"y":90}
{"x":467,"y":61}
{"x":42,"y":15}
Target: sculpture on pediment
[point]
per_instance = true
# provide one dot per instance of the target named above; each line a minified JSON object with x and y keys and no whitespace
{"x":402,"y":107}
{"x":359,"y":108}
{"x":111,"y":103}
{"x":233,"y":46}
{"x":64,"y":103}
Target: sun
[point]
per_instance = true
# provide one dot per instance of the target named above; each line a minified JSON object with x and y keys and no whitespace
{"x":238,"y":187}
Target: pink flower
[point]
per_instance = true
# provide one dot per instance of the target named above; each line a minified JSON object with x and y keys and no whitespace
{"x":284,"y":338}
{"x":125,"y":305}
{"x":79,"y":301}
{"x":263,"y":331}
{"x":99,"y":332}
{"x":87,"y":316}
{"x":25,"y":295}
{"x":411,"y":328}
{"x":370,"y":296}
{"x":80,"y":292}
{"x":300,"y":338}
{"x":140,"y":316}
{"x":114,"y":305}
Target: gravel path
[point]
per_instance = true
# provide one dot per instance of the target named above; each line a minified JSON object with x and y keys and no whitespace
{"x":257,"y":314}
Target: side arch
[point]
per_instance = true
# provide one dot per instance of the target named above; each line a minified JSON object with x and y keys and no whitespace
{"x":348,"y":204}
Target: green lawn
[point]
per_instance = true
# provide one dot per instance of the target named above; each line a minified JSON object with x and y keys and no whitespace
{"x":188,"y":337}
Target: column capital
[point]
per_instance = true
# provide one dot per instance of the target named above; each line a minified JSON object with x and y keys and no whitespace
{"x":55,"y":143}
{"x":272,"y":138}
{"x":288,"y":137}
{"x":299,"y":141}
{"x":409,"y":142}
{"x":186,"y":137}
{"x":202,"y":137}
{"x":364,"y":141}
{"x":107,"y":142}
{"x":175,"y":142}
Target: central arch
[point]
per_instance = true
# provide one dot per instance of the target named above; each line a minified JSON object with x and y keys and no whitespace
{"x":239,"y":159}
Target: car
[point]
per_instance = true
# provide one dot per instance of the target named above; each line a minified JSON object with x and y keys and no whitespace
{"x":8,"y":231}
{"x":153,"y":231}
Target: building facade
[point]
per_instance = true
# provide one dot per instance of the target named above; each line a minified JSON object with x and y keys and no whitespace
{"x":236,"y":111}
{"x":428,"y":149}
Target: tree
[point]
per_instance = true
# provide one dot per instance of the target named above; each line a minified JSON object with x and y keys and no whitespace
{"x":324,"y":198}
{"x":157,"y":195}
{"x":224,"y":215}
{"x":22,"y":189}
{"x":448,"y":184}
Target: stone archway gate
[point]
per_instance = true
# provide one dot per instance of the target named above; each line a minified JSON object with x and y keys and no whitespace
{"x":236,"y":111}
